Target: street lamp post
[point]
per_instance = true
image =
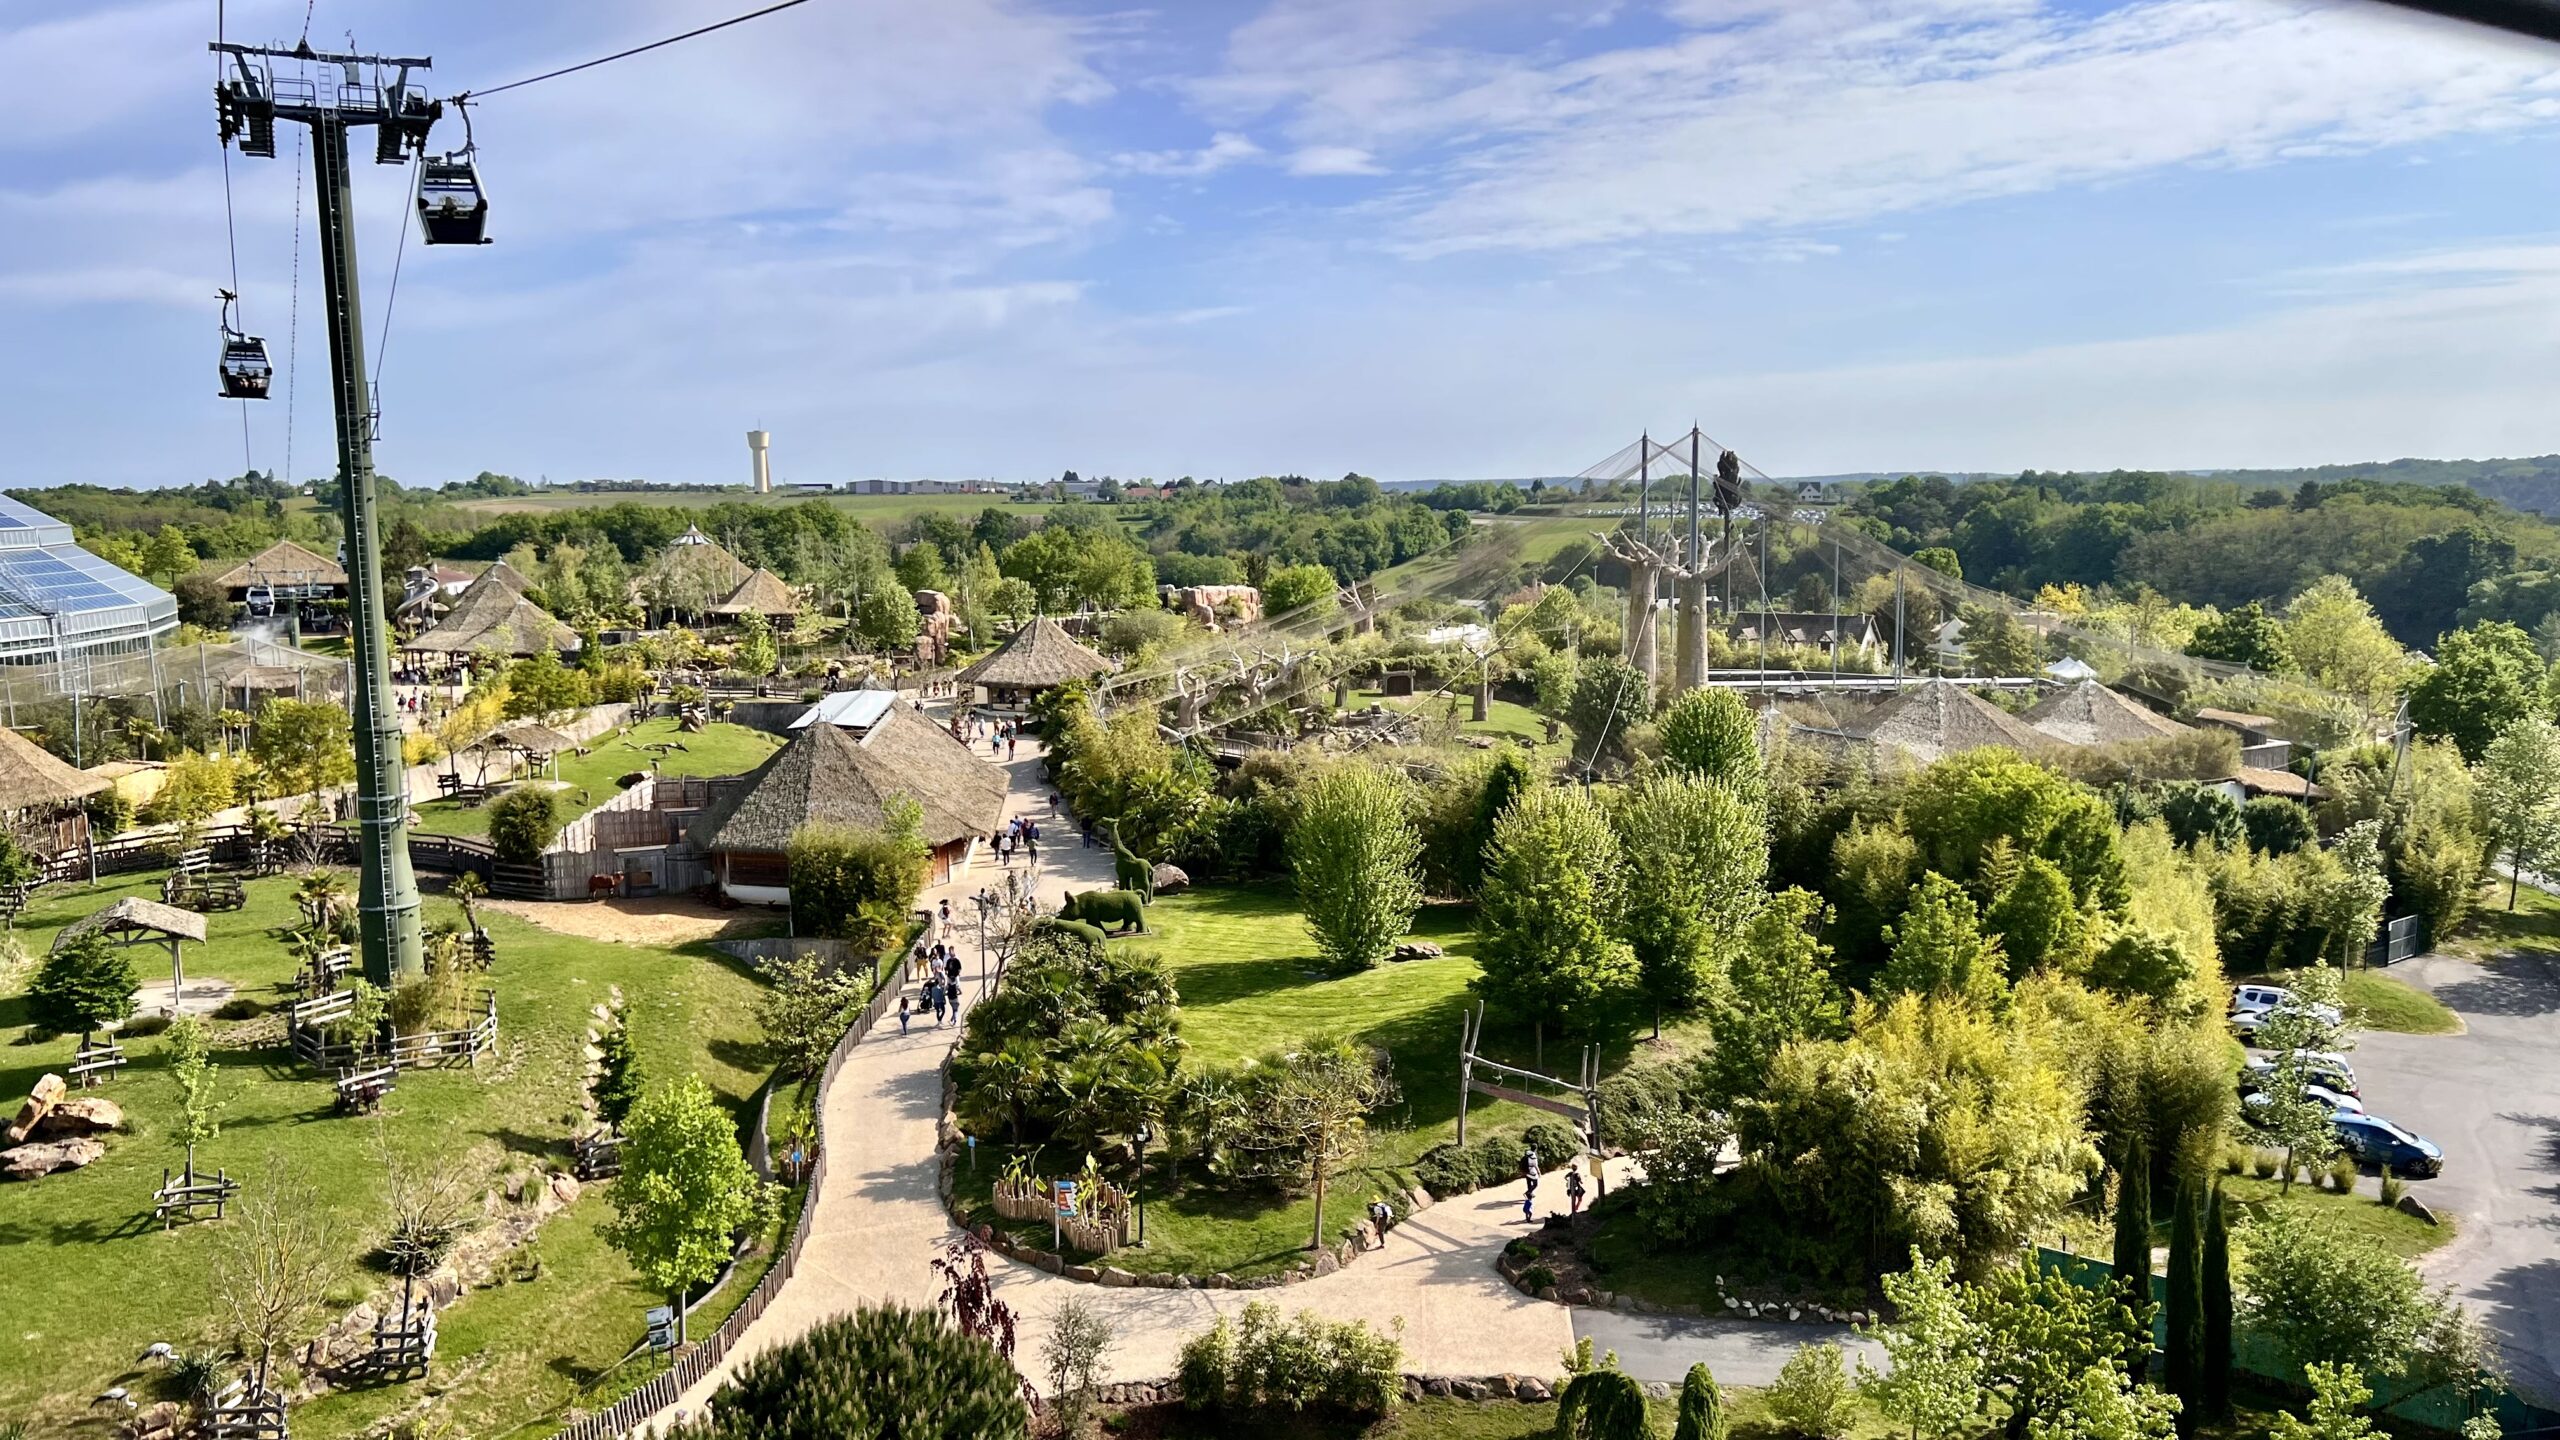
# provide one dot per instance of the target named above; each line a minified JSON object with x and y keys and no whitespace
{"x":985,"y":900}
{"x":1144,"y":1135}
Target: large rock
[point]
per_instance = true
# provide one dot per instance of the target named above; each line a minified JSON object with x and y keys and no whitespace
{"x":2411,"y":1205}
{"x":28,"y":1162}
{"x":83,"y":1116}
{"x":1416,"y":950}
{"x":1171,"y":880}
{"x":564,"y":1189}
{"x":46,"y":1095}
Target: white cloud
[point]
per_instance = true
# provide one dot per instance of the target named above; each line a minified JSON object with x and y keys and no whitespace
{"x":1827,"y":111}
{"x":1334,"y":160}
{"x":1224,"y":149}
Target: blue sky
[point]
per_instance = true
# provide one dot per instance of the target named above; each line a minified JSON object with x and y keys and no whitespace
{"x":1414,"y":238}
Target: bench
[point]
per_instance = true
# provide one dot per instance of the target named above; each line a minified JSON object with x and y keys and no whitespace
{"x":202,"y":893}
{"x":360,"y":1092}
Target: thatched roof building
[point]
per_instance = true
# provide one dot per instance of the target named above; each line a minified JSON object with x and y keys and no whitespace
{"x":1039,"y":656}
{"x":1938,"y":718}
{"x":691,"y":575}
{"x":831,"y":775}
{"x":288,"y":569}
{"x":494,"y":615}
{"x":761,"y":593}
{"x":32,"y":779}
{"x":2089,"y":713}
{"x":133,"y":917}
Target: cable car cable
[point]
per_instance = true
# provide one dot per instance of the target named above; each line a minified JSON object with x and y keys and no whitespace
{"x":382,"y":347}
{"x":626,"y":54}
{"x":293,"y":324}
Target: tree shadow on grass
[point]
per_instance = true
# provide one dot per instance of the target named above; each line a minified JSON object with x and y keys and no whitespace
{"x":746,"y":1055}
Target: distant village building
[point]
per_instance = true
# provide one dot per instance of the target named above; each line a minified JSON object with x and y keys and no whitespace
{"x":851,"y":769}
{"x":1854,"y":634}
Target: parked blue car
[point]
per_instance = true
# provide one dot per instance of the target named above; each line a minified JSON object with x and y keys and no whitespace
{"x":2376,"y":1143}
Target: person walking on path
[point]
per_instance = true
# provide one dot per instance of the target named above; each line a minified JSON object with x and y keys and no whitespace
{"x":1573,"y":1187}
{"x":1009,"y":741}
{"x":906,"y":1007}
{"x":1529,"y":1192}
{"x":1031,"y":840}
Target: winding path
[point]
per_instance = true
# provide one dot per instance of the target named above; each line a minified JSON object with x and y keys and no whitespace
{"x":878,"y":1222}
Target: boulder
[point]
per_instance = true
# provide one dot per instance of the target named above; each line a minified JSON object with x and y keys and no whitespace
{"x":1043,"y":1260}
{"x":2412,"y":1205}
{"x":83,"y":1116}
{"x":1327,"y":1262}
{"x":564,"y":1188}
{"x":1416,"y":950}
{"x":1220,"y":1281}
{"x":1500,"y":1385}
{"x":1171,"y":880}
{"x":46,"y":1094}
{"x":28,"y":1162}
{"x":1530,"y":1387}
{"x":157,"y":1420}
{"x":1085,"y":1273}
{"x":1117,"y":1279}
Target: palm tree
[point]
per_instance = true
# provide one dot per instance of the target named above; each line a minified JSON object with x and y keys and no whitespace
{"x":1018,"y":1077}
{"x":466,"y":888}
{"x":318,"y":894}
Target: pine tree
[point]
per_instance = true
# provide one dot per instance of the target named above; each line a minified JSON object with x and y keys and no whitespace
{"x":2185,"y":1358}
{"x":2214,"y":1378}
{"x":2133,"y":1248}
{"x":1702,"y":1414}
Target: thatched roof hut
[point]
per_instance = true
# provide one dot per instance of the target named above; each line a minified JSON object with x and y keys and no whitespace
{"x":2089,"y":713}
{"x":761,"y":593}
{"x":494,"y":615}
{"x":32,"y":779}
{"x":133,"y":918}
{"x":287,"y":567}
{"x":691,"y":575}
{"x":1039,"y":656}
{"x":1938,"y":718}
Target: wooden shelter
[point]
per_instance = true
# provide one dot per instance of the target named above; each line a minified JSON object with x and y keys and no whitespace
{"x":761,"y":593}
{"x":832,"y":775}
{"x":1039,"y":656}
{"x":494,"y":615}
{"x":41,"y":794}
{"x":136,"y":921}
{"x":285,"y":570}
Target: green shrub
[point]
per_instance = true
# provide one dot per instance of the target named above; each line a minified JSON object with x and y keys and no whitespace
{"x":1523,"y":1248}
{"x":239,"y":1007}
{"x":1537,"y":1278}
{"x":2234,"y":1160}
{"x":1633,"y":1104}
{"x":2392,"y":1187}
{"x":854,"y":884}
{"x":82,"y":986}
{"x":2265,"y":1163}
{"x":881,"y":1370}
{"x":142,"y":1027}
{"x":1450,"y":1170}
{"x":1812,"y":1396}
{"x":1702,"y":1415}
{"x":1602,"y":1404}
{"x":2343,"y":1174}
{"x":1554,"y":1143}
{"x":1265,"y":1363}
{"x":523,"y":823}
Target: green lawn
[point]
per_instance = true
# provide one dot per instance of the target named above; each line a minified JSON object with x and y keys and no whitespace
{"x":2386,"y":1003}
{"x":1504,"y":719}
{"x":1250,"y":983}
{"x":2493,"y":929}
{"x":717,"y":749}
{"x":90,"y":1283}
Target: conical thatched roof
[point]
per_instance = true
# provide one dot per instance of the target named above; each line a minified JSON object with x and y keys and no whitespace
{"x":827,"y":775}
{"x":1038,"y":656}
{"x":693,"y":561}
{"x":1938,"y":718}
{"x":283,"y":563}
{"x":32,"y":779}
{"x":762,"y":593}
{"x":2091,"y":714}
{"x":494,"y":615}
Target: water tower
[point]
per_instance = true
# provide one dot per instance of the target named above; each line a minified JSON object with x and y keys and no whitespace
{"x":758,"y":442}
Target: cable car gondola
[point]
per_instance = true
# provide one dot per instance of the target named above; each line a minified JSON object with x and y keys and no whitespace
{"x":452,"y":209}
{"x":244,"y":371}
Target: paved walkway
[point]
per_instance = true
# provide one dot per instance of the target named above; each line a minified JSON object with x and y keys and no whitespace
{"x":878,"y":1223}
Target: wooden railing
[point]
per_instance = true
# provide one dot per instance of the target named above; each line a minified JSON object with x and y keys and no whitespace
{"x":237,"y":845}
{"x":635,"y":1409}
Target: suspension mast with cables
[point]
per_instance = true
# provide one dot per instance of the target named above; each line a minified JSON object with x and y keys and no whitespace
{"x":250,"y":101}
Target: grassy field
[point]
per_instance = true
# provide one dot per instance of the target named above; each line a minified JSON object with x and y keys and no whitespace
{"x":90,"y":1282}
{"x":878,"y":509}
{"x":1504,"y":719}
{"x":2389,"y":1004}
{"x":717,"y":749}
{"x":2493,"y":929}
{"x":1249,"y":983}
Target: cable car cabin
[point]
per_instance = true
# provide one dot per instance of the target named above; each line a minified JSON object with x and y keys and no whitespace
{"x":245,"y":371}
{"x":451,"y":207}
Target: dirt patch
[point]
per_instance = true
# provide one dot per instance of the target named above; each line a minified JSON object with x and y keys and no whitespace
{"x":656,"y":920}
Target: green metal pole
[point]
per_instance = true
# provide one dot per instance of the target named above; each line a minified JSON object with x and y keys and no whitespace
{"x":387,"y":890}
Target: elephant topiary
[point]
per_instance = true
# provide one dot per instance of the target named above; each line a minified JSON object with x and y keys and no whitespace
{"x":1051,"y":924}
{"x":1124,"y":908}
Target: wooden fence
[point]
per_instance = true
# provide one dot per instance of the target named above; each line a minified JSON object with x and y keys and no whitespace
{"x":426,"y":1048}
{"x":236,"y":845}
{"x":635,"y":1409}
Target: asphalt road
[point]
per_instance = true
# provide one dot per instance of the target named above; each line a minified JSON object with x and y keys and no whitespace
{"x":2491,"y":1098}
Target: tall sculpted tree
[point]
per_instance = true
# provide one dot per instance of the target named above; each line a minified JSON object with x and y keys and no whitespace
{"x":685,"y":1190}
{"x":2184,"y":1361}
{"x":1357,"y":862}
{"x":1553,"y":893}
{"x":1695,"y":852}
{"x":1710,"y":732}
{"x":2213,"y":1381}
{"x":2518,"y":782}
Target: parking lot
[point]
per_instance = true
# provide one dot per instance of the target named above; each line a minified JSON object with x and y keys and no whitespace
{"x":2491,"y":1098}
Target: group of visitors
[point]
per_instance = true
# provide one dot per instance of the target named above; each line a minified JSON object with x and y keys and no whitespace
{"x":941,"y":989}
{"x":1020,"y":837}
{"x":1573,"y":1191}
